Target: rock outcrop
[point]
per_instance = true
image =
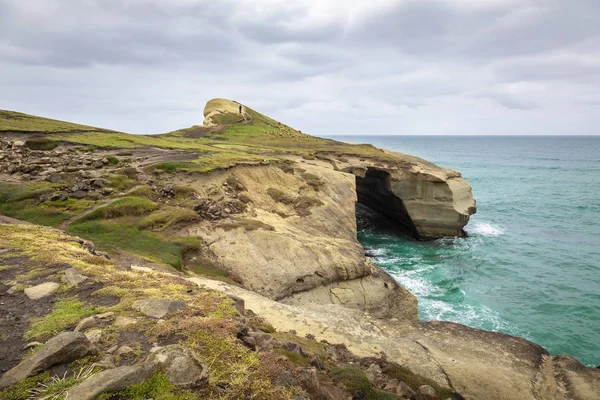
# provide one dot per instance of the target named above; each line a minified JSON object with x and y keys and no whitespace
{"x":428,"y":201}
{"x":63,"y":348}
{"x":475,"y":363}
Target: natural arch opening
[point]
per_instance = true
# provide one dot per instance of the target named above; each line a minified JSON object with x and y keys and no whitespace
{"x":374,"y":191}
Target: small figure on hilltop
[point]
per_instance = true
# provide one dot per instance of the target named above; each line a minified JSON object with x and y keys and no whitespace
{"x":240,"y":108}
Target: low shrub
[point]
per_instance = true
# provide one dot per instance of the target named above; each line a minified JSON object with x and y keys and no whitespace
{"x":41,"y":144}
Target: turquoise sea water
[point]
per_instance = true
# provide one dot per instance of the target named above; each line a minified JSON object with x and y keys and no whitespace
{"x":531,"y":264}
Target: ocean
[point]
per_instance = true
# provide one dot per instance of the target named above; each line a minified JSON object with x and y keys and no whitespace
{"x":530,"y":266}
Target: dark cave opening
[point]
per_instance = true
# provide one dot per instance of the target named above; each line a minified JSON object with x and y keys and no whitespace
{"x":374,"y":191}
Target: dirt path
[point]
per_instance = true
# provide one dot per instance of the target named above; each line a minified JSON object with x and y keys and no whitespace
{"x":74,"y":218}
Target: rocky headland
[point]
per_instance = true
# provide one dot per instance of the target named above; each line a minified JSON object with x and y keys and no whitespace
{"x":221,"y":261}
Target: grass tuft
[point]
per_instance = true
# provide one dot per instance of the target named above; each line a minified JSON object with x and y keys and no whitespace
{"x":357,"y":382}
{"x":66,"y":313}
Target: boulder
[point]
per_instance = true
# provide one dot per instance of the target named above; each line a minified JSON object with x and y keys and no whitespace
{"x":181,"y":366}
{"x":94,"y":335}
{"x":373,"y":373}
{"x":391,"y":385}
{"x":405,"y":392}
{"x":158,"y":308}
{"x":61,"y":349}
{"x":42,"y":290}
{"x":85,"y":323}
{"x":121,"y":321}
{"x":427,"y":391}
{"x":112,"y":380}
{"x":263,"y":341}
{"x":73,"y":278}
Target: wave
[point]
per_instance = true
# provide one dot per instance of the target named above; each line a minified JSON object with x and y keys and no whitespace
{"x":485,"y":229}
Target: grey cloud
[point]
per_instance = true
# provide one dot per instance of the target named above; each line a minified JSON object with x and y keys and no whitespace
{"x":418,"y":61}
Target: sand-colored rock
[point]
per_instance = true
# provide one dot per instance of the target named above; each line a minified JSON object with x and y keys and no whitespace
{"x":42,"y":290}
{"x":428,"y":200}
{"x":158,"y":308}
{"x":477,"y":364}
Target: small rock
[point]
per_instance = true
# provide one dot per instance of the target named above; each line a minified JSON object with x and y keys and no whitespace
{"x":73,"y":277}
{"x":102,"y":254}
{"x":123,"y":350}
{"x":122,"y":321}
{"x":54,"y":178}
{"x":428,"y":391}
{"x":263,"y":341}
{"x":85,"y":323}
{"x":45,"y":197}
{"x":391,"y":385}
{"x":316,"y":362}
{"x":158,"y":308}
{"x":249,"y":342}
{"x":112,"y":349}
{"x":241,"y":331}
{"x":94,"y":335}
{"x":12,"y":290}
{"x":61,"y":349}
{"x":107,"y":362}
{"x":238,"y":303}
{"x":79,"y":194}
{"x":405,"y":392}
{"x":42,"y":290}
{"x":106,"y":315}
{"x":181,"y":366}
{"x":373,"y":372}
{"x":285,"y":379}
{"x":112,"y":380}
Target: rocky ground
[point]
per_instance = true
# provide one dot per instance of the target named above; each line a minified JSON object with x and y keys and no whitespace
{"x":81,"y":325}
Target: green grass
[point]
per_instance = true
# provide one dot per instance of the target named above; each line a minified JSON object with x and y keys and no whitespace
{"x":12,"y":121}
{"x":28,"y":210}
{"x":413,"y":380}
{"x":141,"y":243}
{"x":356,"y":381}
{"x":209,"y":271}
{"x":41,"y":144}
{"x":13,"y":193}
{"x":22,"y":390}
{"x":166,"y":217}
{"x":112,"y":160}
{"x":66,"y":313}
{"x":120,"y":182}
{"x":127,"y":206}
{"x":157,"y":388}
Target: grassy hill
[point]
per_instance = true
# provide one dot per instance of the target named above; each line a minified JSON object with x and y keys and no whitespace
{"x":12,"y":121}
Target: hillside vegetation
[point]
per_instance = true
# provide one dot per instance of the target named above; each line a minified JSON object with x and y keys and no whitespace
{"x":15,"y":122}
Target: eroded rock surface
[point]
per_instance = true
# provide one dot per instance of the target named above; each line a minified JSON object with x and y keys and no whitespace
{"x":475,"y":363}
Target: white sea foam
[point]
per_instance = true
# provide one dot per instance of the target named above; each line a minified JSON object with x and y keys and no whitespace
{"x":414,"y":284}
{"x":485,"y":229}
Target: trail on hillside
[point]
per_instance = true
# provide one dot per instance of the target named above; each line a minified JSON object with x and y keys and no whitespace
{"x":74,"y":218}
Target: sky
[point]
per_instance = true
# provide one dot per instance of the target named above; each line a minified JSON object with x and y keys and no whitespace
{"x":352,"y":67}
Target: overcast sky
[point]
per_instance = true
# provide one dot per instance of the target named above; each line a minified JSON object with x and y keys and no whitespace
{"x":325,"y":67}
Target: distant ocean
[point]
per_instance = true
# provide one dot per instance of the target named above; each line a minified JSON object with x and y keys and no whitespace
{"x":531,"y":264}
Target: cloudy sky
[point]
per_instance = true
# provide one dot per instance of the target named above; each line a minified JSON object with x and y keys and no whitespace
{"x":325,"y":67}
